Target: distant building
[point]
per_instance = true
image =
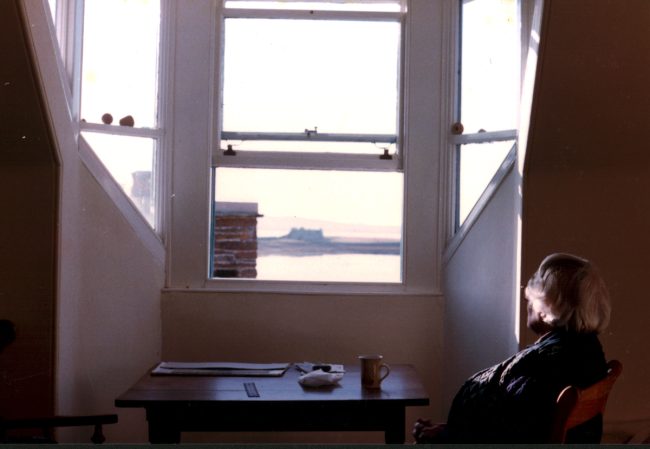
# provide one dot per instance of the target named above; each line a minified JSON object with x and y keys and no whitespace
{"x":306,"y":235}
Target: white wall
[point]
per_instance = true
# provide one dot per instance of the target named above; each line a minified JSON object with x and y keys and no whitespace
{"x":291,"y":328}
{"x":109,"y":329}
{"x":480,"y":319}
{"x":109,"y":317}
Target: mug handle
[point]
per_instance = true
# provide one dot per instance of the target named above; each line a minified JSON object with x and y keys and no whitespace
{"x":384,"y":365}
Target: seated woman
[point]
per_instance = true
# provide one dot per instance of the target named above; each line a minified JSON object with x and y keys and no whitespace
{"x":512,"y":402}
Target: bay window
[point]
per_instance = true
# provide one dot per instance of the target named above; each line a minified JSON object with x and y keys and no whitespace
{"x":275,"y":146}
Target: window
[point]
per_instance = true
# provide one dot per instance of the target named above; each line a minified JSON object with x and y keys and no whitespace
{"x":488,"y":95}
{"x":52,"y":5}
{"x":308,"y":182}
{"x":357,"y":173}
{"x":118,"y":100}
{"x":58,"y":14}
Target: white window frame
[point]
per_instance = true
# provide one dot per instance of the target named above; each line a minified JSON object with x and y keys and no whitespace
{"x":309,"y":160}
{"x":197,"y":30}
{"x":312,"y":160}
{"x":459,"y":230}
{"x":57,"y":40}
{"x":70,"y":34}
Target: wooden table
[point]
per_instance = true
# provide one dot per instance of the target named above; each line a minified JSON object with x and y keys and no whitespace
{"x":176,"y":404}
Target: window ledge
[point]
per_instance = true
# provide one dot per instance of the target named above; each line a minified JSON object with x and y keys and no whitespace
{"x":305,"y":288}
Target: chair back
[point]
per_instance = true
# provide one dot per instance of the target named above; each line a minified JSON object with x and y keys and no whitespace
{"x":575,"y":406}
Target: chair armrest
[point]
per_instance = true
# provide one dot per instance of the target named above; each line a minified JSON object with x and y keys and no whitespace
{"x":57,"y":421}
{"x":61,"y":421}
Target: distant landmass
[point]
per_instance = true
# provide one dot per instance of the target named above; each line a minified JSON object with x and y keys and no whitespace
{"x":311,"y":242}
{"x":306,"y":235}
{"x":281,"y":226}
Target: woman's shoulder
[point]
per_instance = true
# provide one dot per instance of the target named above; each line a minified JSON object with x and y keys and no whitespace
{"x":561,"y":341}
{"x":579,"y":357}
{"x":558,"y":350}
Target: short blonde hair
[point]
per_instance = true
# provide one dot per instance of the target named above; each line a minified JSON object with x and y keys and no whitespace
{"x":570,"y":293}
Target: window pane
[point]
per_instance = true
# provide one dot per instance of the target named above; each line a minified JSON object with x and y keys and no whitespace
{"x":308,"y":225}
{"x":346,"y":5}
{"x":120,"y":54}
{"x":52,"y":4}
{"x":288,"y":76}
{"x":130,"y":161}
{"x":490,"y":65}
{"x":478,"y":164}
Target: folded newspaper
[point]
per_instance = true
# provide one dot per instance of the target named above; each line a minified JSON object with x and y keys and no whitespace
{"x":219,"y":369}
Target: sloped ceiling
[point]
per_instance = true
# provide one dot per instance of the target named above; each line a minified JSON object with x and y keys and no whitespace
{"x":24,"y":134}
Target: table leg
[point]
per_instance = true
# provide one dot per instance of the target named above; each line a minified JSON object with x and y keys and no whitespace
{"x":162,"y":428}
{"x":395,"y":427}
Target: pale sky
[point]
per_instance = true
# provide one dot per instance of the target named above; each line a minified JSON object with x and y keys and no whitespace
{"x":120,"y":75}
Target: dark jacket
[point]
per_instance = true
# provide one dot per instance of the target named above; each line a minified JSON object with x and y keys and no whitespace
{"x":512,"y":402}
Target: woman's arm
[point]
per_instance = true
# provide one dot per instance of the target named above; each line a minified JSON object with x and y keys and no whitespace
{"x":424,"y":431}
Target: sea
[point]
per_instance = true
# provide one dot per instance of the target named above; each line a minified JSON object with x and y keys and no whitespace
{"x":331,"y":268}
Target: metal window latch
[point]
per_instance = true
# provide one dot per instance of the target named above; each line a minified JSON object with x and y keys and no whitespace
{"x":386,"y":156}
{"x":229,"y":151}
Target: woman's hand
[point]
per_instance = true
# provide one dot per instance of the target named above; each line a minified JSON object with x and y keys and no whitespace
{"x":424,"y":431}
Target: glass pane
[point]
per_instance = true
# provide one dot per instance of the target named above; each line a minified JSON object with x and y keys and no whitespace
{"x":120,"y":60}
{"x":52,"y":4}
{"x":478,"y":164}
{"x":308,"y":225}
{"x":490,"y":65}
{"x":345,"y":5}
{"x":130,"y":160}
{"x":294,"y":75}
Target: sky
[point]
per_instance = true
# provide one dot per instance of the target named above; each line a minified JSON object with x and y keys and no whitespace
{"x":120,"y":78}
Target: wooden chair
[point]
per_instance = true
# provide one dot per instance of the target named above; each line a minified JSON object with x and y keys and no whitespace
{"x":46,"y":424}
{"x":576,"y":406}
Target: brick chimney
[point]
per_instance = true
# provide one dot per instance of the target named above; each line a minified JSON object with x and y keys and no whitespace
{"x":235,"y":240}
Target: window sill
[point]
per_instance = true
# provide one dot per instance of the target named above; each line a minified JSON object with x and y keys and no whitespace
{"x":305,"y":288}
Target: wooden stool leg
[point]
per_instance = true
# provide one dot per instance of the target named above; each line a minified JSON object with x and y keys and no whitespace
{"x":98,"y":435}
